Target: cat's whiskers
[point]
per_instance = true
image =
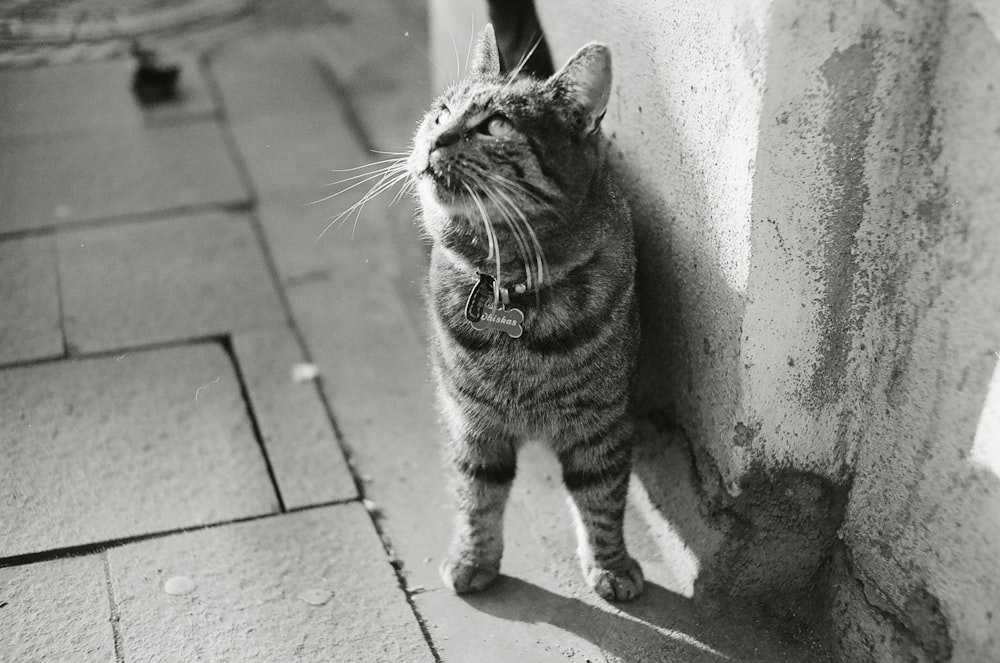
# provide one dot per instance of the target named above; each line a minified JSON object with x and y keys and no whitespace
{"x":524,"y":60}
{"x":494,"y":245}
{"x":512,"y":189}
{"x":472,"y":39}
{"x":508,"y":191}
{"x":403,"y":190}
{"x":385,"y":179}
{"x":363,"y":178}
{"x":529,"y":252}
{"x":524,"y":250}
{"x":458,"y":59}
{"x":511,"y":213}
{"x":373,"y":163}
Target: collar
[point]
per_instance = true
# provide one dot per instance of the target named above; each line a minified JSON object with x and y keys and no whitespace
{"x":488,"y":291}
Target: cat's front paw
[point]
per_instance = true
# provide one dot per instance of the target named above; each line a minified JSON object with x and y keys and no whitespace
{"x":621,"y":582}
{"x":465,"y":576}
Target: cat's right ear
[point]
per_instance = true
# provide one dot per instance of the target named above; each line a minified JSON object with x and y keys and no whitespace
{"x":487,"y":62}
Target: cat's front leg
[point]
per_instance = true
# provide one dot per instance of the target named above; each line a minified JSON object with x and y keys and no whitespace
{"x":596,"y":473}
{"x":483,"y":463}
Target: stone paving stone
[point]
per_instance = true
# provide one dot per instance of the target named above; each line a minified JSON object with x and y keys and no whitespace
{"x":295,"y":151}
{"x":155,"y":281}
{"x":305,"y":456}
{"x":366,"y":22}
{"x":385,"y":235}
{"x":56,"y":611}
{"x":29,"y":300}
{"x":119,"y":446}
{"x":246,"y":603}
{"x":388,"y":86}
{"x":73,"y":98}
{"x":270,"y":75}
{"x":115,"y":172}
{"x":391,"y":96}
{"x":287,"y":123}
{"x":377,"y":378}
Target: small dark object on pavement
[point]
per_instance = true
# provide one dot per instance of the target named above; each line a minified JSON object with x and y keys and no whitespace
{"x":154,"y":81}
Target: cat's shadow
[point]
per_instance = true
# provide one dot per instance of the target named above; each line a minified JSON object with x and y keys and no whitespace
{"x":658,"y":626}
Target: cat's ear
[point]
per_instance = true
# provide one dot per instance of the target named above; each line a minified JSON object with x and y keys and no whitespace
{"x":585,"y":81}
{"x":487,"y":62}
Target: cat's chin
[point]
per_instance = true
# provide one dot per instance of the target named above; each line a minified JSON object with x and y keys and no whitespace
{"x":433,"y":198}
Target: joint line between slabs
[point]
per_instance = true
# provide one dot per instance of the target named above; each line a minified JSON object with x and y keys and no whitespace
{"x":227,"y":345}
{"x":120,"y":352}
{"x":60,"y":295}
{"x":116,"y":632}
{"x":342,"y":96}
{"x":84,"y":549}
{"x":234,"y":206}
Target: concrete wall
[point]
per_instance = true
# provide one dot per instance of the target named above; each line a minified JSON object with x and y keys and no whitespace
{"x":817,"y":188}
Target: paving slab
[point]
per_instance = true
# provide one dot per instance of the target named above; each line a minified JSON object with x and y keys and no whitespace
{"x":391,"y":95}
{"x":307,"y":248}
{"x":107,"y":173}
{"x":370,"y":55}
{"x":251,"y":581}
{"x":305,"y":456}
{"x":56,"y":611}
{"x":80,"y":97}
{"x":120,"y":446}
{"x":295,"y":151}
{"x":29,"y":300}
{"x":363,"y":23}
{"x":273,"y":74}
{"x":377,"y":379}
{"x":286,"y":119}
{"x":149,"y":282}
{"x":388,"y":88}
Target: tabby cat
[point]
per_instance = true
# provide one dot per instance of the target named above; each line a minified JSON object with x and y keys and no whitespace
{"x":532,"y":298}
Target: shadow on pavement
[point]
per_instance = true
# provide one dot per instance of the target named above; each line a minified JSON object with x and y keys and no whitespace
{"x":659,"y":626}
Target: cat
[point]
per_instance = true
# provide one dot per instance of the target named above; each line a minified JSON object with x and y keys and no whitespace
{"x":532,"y":303}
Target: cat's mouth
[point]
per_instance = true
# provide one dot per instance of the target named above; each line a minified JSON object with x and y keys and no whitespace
{"x":447,"y":191}
{"x":444,"y":180}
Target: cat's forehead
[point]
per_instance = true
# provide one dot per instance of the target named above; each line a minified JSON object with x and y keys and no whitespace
{"x":474,"y":97}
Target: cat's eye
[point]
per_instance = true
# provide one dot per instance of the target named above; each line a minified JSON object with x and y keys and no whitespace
{"x":443,"y":114}
{"x":499,"y":126}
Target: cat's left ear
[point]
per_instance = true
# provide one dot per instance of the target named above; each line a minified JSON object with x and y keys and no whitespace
{"x":585,"y":81}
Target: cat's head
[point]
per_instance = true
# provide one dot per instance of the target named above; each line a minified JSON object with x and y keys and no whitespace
{"x":507,"y":147}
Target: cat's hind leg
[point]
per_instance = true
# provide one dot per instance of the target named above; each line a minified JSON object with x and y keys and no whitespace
{"x":483,"y":464}
{"x":596,"y":473}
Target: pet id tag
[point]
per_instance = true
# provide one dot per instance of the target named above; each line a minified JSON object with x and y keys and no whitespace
{"x":501,"y":319}
{"x":485,"y":312}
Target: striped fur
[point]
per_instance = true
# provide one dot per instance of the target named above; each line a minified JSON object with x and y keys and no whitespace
{"x":529,"y":197}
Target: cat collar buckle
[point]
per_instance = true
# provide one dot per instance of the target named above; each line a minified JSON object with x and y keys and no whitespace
{"x":487,"y":309}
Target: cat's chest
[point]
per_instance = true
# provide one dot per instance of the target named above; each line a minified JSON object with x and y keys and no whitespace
{"x":513,"y":379}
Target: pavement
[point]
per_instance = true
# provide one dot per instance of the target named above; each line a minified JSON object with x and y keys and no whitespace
{"x":168,"y":491}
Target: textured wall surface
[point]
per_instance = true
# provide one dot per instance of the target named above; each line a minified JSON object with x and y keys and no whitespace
{"x":818,"y":216}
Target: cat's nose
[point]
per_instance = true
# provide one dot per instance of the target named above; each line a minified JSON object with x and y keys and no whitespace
{"x":446,"y":138}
